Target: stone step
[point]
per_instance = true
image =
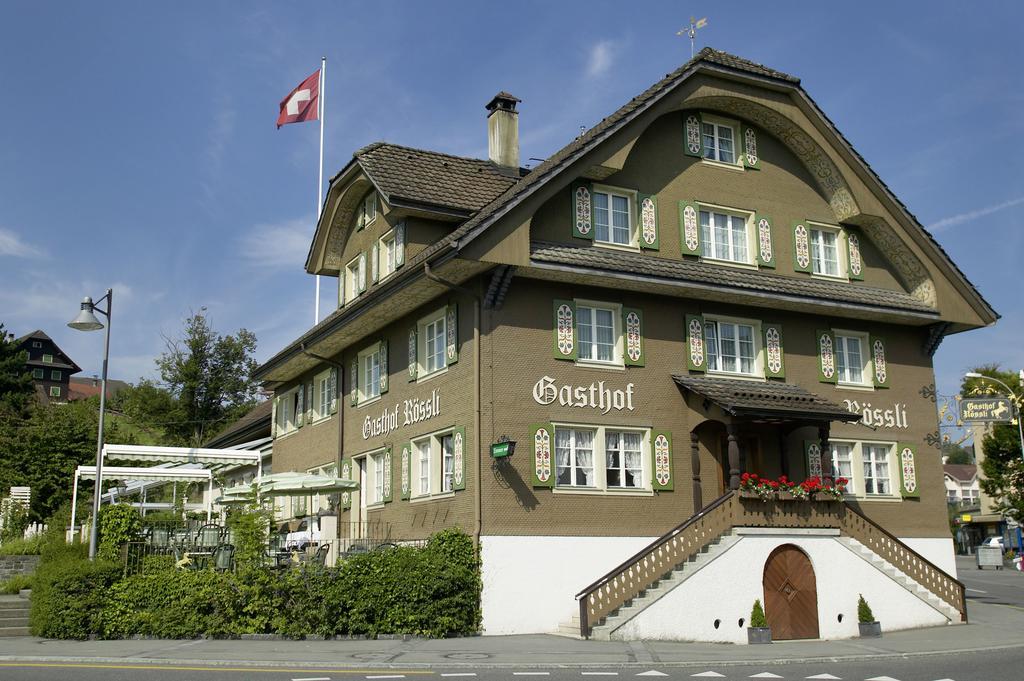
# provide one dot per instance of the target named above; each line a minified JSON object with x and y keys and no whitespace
{"x":14,"y":631}
{"x":14,"y":621}
{"x":15,"y":607}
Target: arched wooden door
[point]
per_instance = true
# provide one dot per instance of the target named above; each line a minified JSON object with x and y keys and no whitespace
{"x":790,"y":594}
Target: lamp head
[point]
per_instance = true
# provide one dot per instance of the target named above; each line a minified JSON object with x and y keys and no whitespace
{"x":972,"y":374}
{"x":86,"y":320}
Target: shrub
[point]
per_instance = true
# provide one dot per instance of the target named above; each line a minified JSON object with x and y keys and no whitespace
{"x":119,"y":524}
{"x":757,"y":618}
{"x":31,"y":546}
{"x":13,"y":520}
{"x":68,"y":594}
{"x":864,"y":613}
{"x":14,"y":584}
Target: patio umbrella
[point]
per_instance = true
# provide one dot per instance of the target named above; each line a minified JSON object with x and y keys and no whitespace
{"x":239,"y":494}
{"x":295,"y":484}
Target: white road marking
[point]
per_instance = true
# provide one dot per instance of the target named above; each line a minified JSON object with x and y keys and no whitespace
{"x":977,"y":591}
{"x":881,"y":678}
{"x":531,"y":673}
{"x":766,"y":675}
{"x":599,"y":673}
{"x":314,"y":678}
{"x":823,"y":676}
{"x":710,"y":675}
{"x":652,"y":672}
{"x":386,"y":676}
{"x":460,"y":674}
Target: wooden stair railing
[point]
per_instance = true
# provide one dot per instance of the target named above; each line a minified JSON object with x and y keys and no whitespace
{"x":637,"y":573}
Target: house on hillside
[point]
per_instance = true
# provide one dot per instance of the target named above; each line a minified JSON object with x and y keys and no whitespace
{"x":578,"y":364}
{"x":50,"y":366}
{"x":84,"y":387}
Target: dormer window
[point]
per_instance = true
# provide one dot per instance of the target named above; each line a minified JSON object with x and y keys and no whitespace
{"x":613,"y":217}
{"x":719,"y":141}
{"x":367,"y":211}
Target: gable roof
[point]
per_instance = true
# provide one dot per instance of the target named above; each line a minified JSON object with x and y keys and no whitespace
{"x":963,"y":472}
{"x":254,"y":423}
{"x":759,"y":399}
{"x":39,"y":335}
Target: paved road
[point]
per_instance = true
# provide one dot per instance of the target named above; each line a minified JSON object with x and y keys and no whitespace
{"x":1001,"y":587}
{"x":980,"y":666}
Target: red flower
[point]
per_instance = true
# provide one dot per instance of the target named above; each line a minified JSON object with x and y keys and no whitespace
{"x":745,"y":477}
{"x":774,"y":484}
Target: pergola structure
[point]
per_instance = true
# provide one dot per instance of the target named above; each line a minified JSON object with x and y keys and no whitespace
{"x":135,"y":473}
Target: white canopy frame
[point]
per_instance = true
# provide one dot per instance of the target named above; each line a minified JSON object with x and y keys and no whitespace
{"x":206,"y":457}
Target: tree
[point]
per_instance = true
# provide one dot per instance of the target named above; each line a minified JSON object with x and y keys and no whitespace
{"x":956,"y":454}
{"x":16,"y":386}
{"x":211,"y":378}
{"x":1003,"y":468}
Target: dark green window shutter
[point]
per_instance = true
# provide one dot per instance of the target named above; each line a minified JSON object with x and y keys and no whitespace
{"x":354,"y":381}
{"x":693,"y":144}
{"x":459,"y":445}
{"x":812,"y":458}
{"x":310,"y":387}
{"x":774,"y":355}
{"x":583,"y":210}
{"x":384,"y":373}
{"x":387,"y":497}
{"x":406,"y":487}
{"x":647,"y":210}
{"x":853,"y":257}
{"x":451,"y":329}
{"x":907,"y":459}
{"x":346,"y":474}
{"x":750,"y":157}
{"x":334,"y":390}
{"x":661,"y":461}
{"x":826,"y":344}
{"x":399,"y":244}
{"x":413,"y":362}
{"x":765,"y":247}
{"x":801,"y":247}
{"x":696,"y":348}
{"x":689,"y":228}
{"x":633,"y":336}
{"x":564,"y":329}
{"x":543,"y":437}
{"x":300,"y":406}
{"x":879,"y":366}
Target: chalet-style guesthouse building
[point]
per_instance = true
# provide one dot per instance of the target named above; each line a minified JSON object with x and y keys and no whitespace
{"x":709,"y":282}
{"x":51,"y":368}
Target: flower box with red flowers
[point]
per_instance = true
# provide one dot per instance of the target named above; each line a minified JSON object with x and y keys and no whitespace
{"x":753,"y":486}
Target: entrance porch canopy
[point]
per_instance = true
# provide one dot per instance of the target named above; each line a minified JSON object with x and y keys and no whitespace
{"x":765,"y":402}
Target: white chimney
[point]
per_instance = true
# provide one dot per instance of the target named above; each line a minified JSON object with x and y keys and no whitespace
{"x":503,"y":130}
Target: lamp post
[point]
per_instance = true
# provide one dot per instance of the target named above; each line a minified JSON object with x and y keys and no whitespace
{"x":87,"y":321}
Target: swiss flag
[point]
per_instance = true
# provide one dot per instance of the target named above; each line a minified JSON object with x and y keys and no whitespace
{"x":302,"y":103}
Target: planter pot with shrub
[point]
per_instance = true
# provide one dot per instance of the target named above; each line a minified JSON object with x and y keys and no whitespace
{"x":758,"y":631}
{"x":869,"y":628}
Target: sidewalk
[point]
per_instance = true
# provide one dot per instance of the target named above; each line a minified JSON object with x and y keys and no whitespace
{"x":992,"y":627}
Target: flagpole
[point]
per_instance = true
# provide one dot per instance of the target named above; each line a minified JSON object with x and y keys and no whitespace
{"x":320,"y":179}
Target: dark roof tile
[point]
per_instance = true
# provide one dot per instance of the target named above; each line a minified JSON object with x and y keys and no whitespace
{"x":757,"y":398}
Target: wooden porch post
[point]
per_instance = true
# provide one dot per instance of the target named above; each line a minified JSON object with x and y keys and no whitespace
{"x":826,"y":450}
{"x":734,"y":457}
{"x":698,"y":502}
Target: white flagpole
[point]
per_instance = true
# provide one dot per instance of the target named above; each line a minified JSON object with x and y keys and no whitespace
{"x":320,"y":180}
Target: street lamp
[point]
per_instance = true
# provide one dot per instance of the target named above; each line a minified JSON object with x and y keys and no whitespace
{"x":87,"y":321}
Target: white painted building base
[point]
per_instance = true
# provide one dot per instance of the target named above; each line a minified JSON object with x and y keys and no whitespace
{"x":530,"y":583}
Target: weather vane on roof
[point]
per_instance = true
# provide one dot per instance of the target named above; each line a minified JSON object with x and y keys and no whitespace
{"x":691,"y":31}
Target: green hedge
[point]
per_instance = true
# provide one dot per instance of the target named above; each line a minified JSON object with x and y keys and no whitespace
{"x":430,"y":591}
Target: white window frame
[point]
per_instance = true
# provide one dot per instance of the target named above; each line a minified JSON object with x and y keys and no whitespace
{"x":630,"y":196}
{"x":439,"y":316}
{"x":375,"y":478}
{"x":440,"y":483}
{"x":367,"y":210}
{"x":47,"y":358}
{"x":600,"y":461}
{"x":618,"y":359}
{"x":37,"y":344}
{"x":55,"y":374}
{"x":719,"y":123}
{"x":352,"y":279}
{"x":748,"y":229}
{"x":321,"y":501}
{"x":857,"y":487}
{"x":39,"y":374}
{"x":386,"y":254}
{"x":286,"y":403}
{"x":322,"y":396}
{"x":758,"y":359}
{"x":54,"y":391}
{"x":364,"y":395}
{"x":841,"y":265}
{"x":867,"y":368}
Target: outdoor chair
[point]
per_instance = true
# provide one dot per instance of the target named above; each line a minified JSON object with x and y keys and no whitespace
{"x":159,"y":537}
{"x":223,"y":558}
{"x":208,"y":536}
{"x":320,"y":557}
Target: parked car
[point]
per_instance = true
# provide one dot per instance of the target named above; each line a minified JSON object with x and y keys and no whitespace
{"x":303,"y":537}
{"x":993,"y":541}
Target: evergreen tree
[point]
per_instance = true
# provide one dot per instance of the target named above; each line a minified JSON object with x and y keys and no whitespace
{"x":16,"y":386}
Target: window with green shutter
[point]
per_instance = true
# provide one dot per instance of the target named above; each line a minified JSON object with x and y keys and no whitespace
{"x":564,"y":329}
{"x":751,"y":159}
{"x":452,"y":333}
{"x":633,"y":336}
{"x":696,"y":349}
{"x":801,"y":247}
{"x":907,"y":461}
{"x":825,"y":341}
{"x":661,"y":461}
{"x":765,"y":247}
{"x":879,"y":365}
{"x":542,"y":438}
{"x":774,"y":354}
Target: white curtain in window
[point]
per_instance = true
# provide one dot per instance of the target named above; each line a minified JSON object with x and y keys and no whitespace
{"x":585,"y":457}
{"x":631,"y":446}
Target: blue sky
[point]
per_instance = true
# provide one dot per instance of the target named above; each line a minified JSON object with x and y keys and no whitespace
{"x":138,"y":148}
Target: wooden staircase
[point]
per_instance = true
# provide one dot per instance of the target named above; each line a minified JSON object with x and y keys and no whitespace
{"x":14,"y":615}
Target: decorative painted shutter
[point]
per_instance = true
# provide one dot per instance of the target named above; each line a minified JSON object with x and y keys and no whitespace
{"x":387,"y":491}
{"x":273,"y":418}
{"x":774,"y":354}
{"x":459,"y":458}
{"x":399,"y":244}
{"x":801,"y":247}
{"x":564,"y":329}
{"x":765,"y":248}
{"x":374,"y":258}
{"x":406,"y":487}
{"x":543,"y":436}
{"x":826,"y":342}
{"x":633,"y":336}
{"x":853,"y":257}
{"x":661,"y":461}
{"x":689,"y":228}
{"x":334,"y":390}
{"x":451,"y":330}
{"x":692,"y":144}
{"x":812,"y":452}
{"x":907,"y":459}
{"x":647,"y":210}
{"x":413,"y":364}
{"x":879,"y":367}
{"x":697,"y":355}
{"x":300,"y":406}
{"x":346,"y":474}
{"x":353,"y":379}
{"x":750,"y":158}
{"x":583,"y":210}
{"x":384,"y":374}
{"x":362,"y":272}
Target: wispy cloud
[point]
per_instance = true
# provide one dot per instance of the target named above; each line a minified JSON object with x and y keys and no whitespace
{"x":600,"y":58}
{"x":279,"y":245}
{"x":960,"y":219}
{"x":12,"y":245}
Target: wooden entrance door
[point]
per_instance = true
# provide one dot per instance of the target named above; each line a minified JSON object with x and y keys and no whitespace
{"x":790,"y":594}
